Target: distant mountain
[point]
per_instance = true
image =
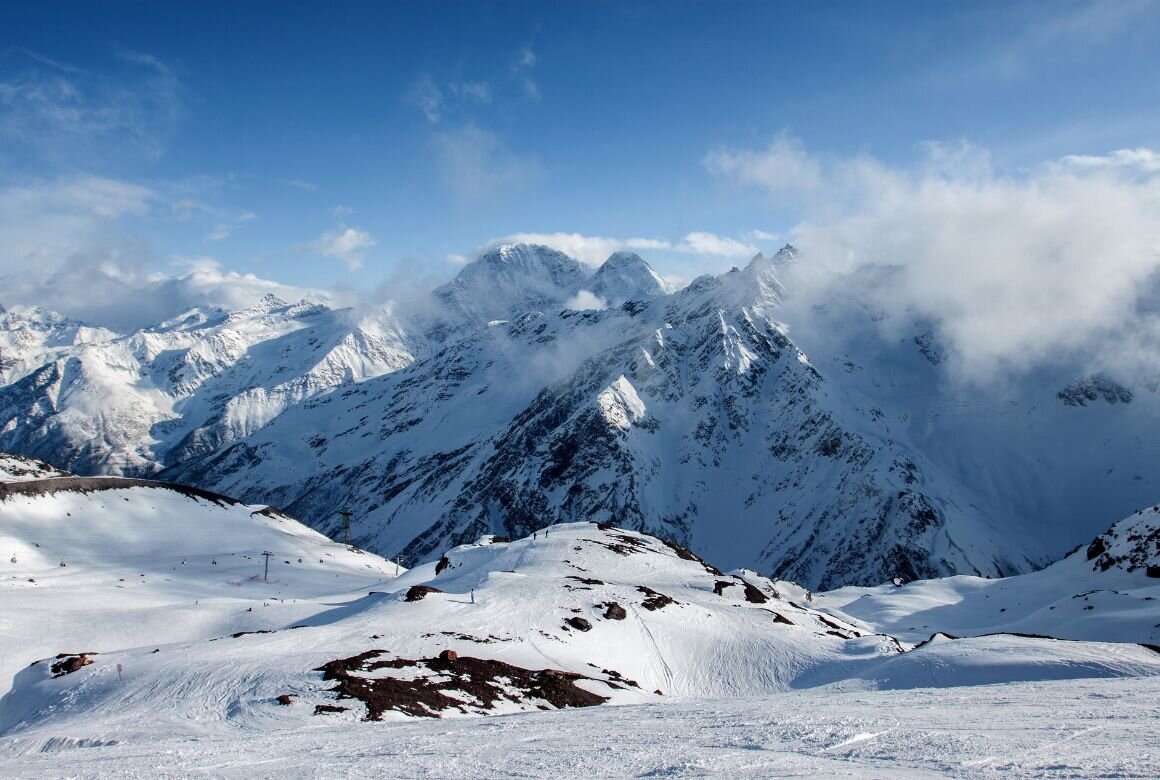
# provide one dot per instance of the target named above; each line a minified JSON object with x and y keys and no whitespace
{"x":813,"y":449}
{"x":109,"y":404}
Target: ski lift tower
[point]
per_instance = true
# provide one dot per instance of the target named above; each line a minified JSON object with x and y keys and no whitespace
{"x":345,"y":513}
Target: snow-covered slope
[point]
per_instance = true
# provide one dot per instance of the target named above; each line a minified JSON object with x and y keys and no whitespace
{"x":572,"y":616}
{"x":1107,"y":591}
{"x":20,"y":468}
{"x":1074,"y":728}
{"x":99,"y":564}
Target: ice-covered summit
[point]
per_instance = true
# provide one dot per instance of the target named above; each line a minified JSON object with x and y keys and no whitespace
{"x":625,"y":276}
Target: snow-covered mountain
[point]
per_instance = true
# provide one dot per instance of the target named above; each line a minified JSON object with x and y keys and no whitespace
{"x":816,"y":451}
{"x":107,"y":404}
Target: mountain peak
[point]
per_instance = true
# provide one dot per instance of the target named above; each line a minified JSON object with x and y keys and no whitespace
{"x":787,"y":254}
{"x":626,"y":276}
{"x":272,"y":301}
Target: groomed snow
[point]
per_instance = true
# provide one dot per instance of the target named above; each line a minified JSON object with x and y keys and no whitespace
{"x":1085,"y":728}
{"x":736,"y":675}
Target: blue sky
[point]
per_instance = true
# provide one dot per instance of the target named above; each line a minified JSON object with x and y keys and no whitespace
{"x":365,"y":146}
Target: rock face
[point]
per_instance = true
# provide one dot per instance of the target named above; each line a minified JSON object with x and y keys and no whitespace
{"x":692,"y":415}
{"x":1130,"y":545}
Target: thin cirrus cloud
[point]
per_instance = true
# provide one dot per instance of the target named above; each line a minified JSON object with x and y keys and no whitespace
{"x":1017,"y":269}
{"x":435,"y":100}
{"x":473,"y":163}
{"x":61,"y":115}
{"x":224,"y":230}
{"x":346,"y":244}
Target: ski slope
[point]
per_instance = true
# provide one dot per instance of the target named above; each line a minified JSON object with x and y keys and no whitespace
{"x":189,"y":648}
{"x":1076,"y":728}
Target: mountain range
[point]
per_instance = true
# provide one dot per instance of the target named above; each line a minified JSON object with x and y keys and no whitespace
{"x":725,"y":416}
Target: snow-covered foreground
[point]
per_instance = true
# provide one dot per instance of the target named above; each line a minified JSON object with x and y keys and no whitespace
{"x":160,"y":647}
{"x":1083,"y":728}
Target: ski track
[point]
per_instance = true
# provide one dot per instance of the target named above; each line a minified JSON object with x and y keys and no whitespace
{"x":1010,"y":730}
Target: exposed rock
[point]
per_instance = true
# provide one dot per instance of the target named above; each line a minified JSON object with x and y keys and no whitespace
{"x":68,"y":663}
{"x":1093,"y":388}
{"x":429,"y":687}
{"x":418,"y":592}
{"x":753,"y":595}
{"x":614,"y":611}
{"x":579,"y":623}
{"x":655,"y":600}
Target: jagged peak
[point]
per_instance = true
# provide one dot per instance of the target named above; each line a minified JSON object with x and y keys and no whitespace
{"x":272,"y":301}
{"x":786,"y":254}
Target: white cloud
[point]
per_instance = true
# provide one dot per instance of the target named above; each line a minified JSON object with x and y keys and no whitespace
{"x":43,"y":223}
{"x":713,"y":244}
{"x":784,"y":166}
{"x":224,"y":230}
{"x":1062,"y":30}
{"x":428,"y":96}
{"x":760,"y":235}
{"x":1145,"y":161}
{"x":475,"y":164}
{"x":340,"y":211}
{"x":299,"y":184}
{"x":64,"y":246}
{"x":475,"y":91}
{"x":585,"y":300}
{"x":344,"y":243}
{"x":522,"y":67}
{"x":1015,"y":269}
{"x":457,"y":260}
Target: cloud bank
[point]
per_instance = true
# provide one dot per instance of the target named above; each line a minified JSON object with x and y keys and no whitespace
{"x":66,"y":248}
{"x":1017,"y":269}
